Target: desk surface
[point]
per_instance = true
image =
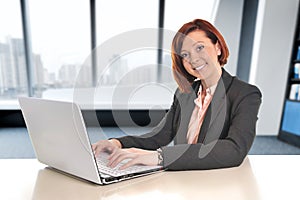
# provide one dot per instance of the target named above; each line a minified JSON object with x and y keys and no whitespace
{"x":259,"y":177}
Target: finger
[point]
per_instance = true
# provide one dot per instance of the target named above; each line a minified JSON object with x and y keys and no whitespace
{"x":116,"y":159}
{"x":97,"y":152}
{"x":129,"y":164}
{"x":94,"y":148}
{"x":97,"y":149}
{"x":108,"y":150}
{"x":121,"y":158}
{"x":115,"y":152}
{"x":102,"y":145}
{"x":113,"y":156}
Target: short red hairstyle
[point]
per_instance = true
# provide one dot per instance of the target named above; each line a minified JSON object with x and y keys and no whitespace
{"x":181,"y":76}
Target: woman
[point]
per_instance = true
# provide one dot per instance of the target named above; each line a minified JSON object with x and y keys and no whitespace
{"x":212,"y":120}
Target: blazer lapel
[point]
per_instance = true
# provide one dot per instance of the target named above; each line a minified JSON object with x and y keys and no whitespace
{"x":217,"y":102}
{"x":214,"y":120}
{"x":216,"y":114}
{"x":187,"y":105}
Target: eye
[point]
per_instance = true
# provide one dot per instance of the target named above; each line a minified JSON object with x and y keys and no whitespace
{"x":184,"y":55}
{"x":199,"y":47}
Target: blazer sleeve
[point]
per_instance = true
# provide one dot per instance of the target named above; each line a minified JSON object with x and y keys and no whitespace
{"x":160,"y":136}
{"x":227,"y":152}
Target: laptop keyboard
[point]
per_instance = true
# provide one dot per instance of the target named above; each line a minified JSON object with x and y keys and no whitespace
{"x":102,"y":161}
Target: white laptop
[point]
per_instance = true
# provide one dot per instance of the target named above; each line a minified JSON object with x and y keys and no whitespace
{"x":60,"y":140}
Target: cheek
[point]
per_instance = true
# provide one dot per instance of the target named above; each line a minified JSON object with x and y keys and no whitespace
{"x":187,"y":66}
{"x":213,"y":54}
{"x":189,"y":69}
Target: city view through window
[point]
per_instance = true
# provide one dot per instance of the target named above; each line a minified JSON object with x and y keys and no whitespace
{"x":61,"y":45}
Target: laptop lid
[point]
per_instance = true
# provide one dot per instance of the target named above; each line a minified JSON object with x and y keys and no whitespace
{"x":59,"y":138}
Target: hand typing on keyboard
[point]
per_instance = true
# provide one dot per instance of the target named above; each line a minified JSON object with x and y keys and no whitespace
{"x":106,"y":146}
{"x":102,"y":161}
{"x":117,"y":154}
{"x":135,"y":157}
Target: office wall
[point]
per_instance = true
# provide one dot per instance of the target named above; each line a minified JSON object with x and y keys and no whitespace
{"x":275,"y":28}
{"x":228,"y":20}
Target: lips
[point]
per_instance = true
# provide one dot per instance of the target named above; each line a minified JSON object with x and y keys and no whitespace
{"x":200,"y":67}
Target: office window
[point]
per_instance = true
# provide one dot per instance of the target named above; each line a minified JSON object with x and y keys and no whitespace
{"x":178,"y":13}
{"x":127,"y":40}
{"x":127,"y":34}
{"x":60,"y":32}
{"x":187,"y":11}
{"x":115,"y":17}
{"x":129,"y":20}
{"x":13,"y":78}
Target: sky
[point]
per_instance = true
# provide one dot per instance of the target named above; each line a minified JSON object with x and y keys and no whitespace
{"x":60,"y":29}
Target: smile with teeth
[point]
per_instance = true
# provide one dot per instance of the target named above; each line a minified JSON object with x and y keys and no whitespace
{"x":200,"y":67}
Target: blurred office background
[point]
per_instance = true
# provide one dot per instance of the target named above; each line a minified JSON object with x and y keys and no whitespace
{"x":79,"y":50}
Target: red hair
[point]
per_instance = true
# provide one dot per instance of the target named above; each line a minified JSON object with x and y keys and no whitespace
{"x":181,"y":76}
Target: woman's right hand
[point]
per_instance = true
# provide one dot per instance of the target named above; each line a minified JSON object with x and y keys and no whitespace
{"x":106,"y":145}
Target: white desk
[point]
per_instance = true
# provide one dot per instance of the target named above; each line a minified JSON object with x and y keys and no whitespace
{"x":259,"y":177}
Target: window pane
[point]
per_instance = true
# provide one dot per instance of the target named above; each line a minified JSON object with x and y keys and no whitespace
{"x":115,"y":17}
{"x":13,"y":81}
{"x":60,"y":32}
{"x":185,"y":12}
{"x":128,"y":73}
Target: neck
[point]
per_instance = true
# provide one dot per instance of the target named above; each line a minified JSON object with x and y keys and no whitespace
{"x":212,"y":80}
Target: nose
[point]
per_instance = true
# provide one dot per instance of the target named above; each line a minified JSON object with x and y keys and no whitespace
{"x":195,"y":59}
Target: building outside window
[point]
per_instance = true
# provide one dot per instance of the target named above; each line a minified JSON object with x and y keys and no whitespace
{"x":60,"y":38}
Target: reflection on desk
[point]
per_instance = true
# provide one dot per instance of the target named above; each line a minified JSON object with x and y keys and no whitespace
{"x":268,"y":177}
{"x":234,"y":183}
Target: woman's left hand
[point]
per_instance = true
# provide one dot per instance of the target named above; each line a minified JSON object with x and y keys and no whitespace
{"x":135,"y":156}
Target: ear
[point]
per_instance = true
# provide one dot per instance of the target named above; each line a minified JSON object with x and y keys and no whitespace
{"x":218,"y":48}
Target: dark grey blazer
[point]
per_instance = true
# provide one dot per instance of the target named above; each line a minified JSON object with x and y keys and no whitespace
{"x":226,"y":135}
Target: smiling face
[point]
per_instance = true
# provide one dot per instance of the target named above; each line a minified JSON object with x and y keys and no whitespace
{"x":200,"y":57}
